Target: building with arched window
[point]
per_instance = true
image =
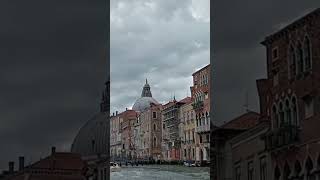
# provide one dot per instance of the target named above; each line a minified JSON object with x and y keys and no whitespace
{"x":292,"y":104}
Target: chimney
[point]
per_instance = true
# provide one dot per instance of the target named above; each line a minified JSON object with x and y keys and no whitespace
{"x":126,"y":109}
{"x":21,"y":163}
{"x":11,"y":167}
{"x":116,"y":113}
{"x":53,"y":150}
{"x":113,"y":114}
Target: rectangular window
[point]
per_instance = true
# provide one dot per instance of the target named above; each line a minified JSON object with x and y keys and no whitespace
{"x":275,"y":53}
{"x":154,"y":115}
{"x":250,"y":171}
{"x":263,"y":168}
{"x":309,"y":107}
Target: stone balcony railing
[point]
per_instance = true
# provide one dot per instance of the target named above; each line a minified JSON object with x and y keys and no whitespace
{"x":197,"y":105}
{"x":203,"y":128}
{"x":284,"y":136}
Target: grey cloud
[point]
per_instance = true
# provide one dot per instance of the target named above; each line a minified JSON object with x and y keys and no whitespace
{"x":156,"y":40}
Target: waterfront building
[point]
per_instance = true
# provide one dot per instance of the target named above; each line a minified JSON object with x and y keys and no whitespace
{"x":127,"y":120}
{"x":115,"y":137}
{"x":238,"y":150}
{"x":150,"y":131}
{"x":137,"y":136}
{"x":171,"y":142}
{"x":187,"y":131}
{"x":289,"y":98}
{"x":284,"y":144}
{"x":200,"y":94}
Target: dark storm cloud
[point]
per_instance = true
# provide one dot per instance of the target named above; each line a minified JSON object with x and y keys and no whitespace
{"x":238,"y":58}
{"x":52,"y":73}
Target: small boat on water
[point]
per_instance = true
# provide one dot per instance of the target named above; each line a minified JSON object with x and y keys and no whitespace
{"x":189,"y":164}
{"x":114,"y":167}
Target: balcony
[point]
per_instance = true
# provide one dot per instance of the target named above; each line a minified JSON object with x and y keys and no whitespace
{"x":197,"y":105}
{"x":282,"y":137}
{"x":203,"y":128}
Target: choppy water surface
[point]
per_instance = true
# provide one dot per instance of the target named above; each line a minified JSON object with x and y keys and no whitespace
{"x":161,"y":172}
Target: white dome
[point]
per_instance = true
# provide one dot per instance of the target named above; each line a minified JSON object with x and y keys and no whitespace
{"x":143,"y":103}
{"x":145,"y":100}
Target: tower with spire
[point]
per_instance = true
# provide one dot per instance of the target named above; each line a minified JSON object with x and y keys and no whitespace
{"x":105,"y":101}
{"x":146,"y":91}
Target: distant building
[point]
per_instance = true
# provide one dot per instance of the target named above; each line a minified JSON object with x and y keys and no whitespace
{"x":57,"y":166}
{"x":150,"y":132}
{"x":115,"y":137}
{"x":187,"y":131}
{"x":200,"y":94}
{"x":127,"y":120}
{"x":171,"y":142}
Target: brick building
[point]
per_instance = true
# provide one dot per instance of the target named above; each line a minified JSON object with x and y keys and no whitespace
{"x":200,"y":94}
{"x":150,"y":132}
{"x":290,"y":98}
{"x":127,"y":120}
{"x":285,"y":143}
{"x":115,"y":137}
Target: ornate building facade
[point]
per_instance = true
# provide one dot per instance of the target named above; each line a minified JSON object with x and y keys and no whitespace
{"x":200,"y":94}
{"x":290,"y":98}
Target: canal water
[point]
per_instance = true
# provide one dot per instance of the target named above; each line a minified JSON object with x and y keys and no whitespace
{"x":161,"y":172}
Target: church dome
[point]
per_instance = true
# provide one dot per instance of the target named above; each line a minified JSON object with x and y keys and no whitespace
{"x":145,"y":100}
{"x":92,"y":138}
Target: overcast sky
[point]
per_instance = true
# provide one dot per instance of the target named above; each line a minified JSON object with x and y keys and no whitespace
{"x":53,"y":70}
{"x":164,"y":41}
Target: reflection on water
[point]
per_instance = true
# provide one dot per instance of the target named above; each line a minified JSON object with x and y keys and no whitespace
{"x":161,"y":172}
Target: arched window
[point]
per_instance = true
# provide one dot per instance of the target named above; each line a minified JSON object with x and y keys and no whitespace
{"x":292,"y":62}
{"x":288,"y":112}
{"x":154,"y":142}
{"x":286,"y":171}
{"x":294,"y":112}
{"x":307,"y":53}
{"x":275,"y":117}
{"x":281,"y":114}
{"x":297,"y":169}
{"x":203,"y":119}
{"x":300,"y":58}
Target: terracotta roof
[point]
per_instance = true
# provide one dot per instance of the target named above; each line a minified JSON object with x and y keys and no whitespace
{"x":61,"y":160}
{"x":186,"y":100}
{"x":58,"y":166}
{"x":201,"y":69}
{"x":245,"y":121}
